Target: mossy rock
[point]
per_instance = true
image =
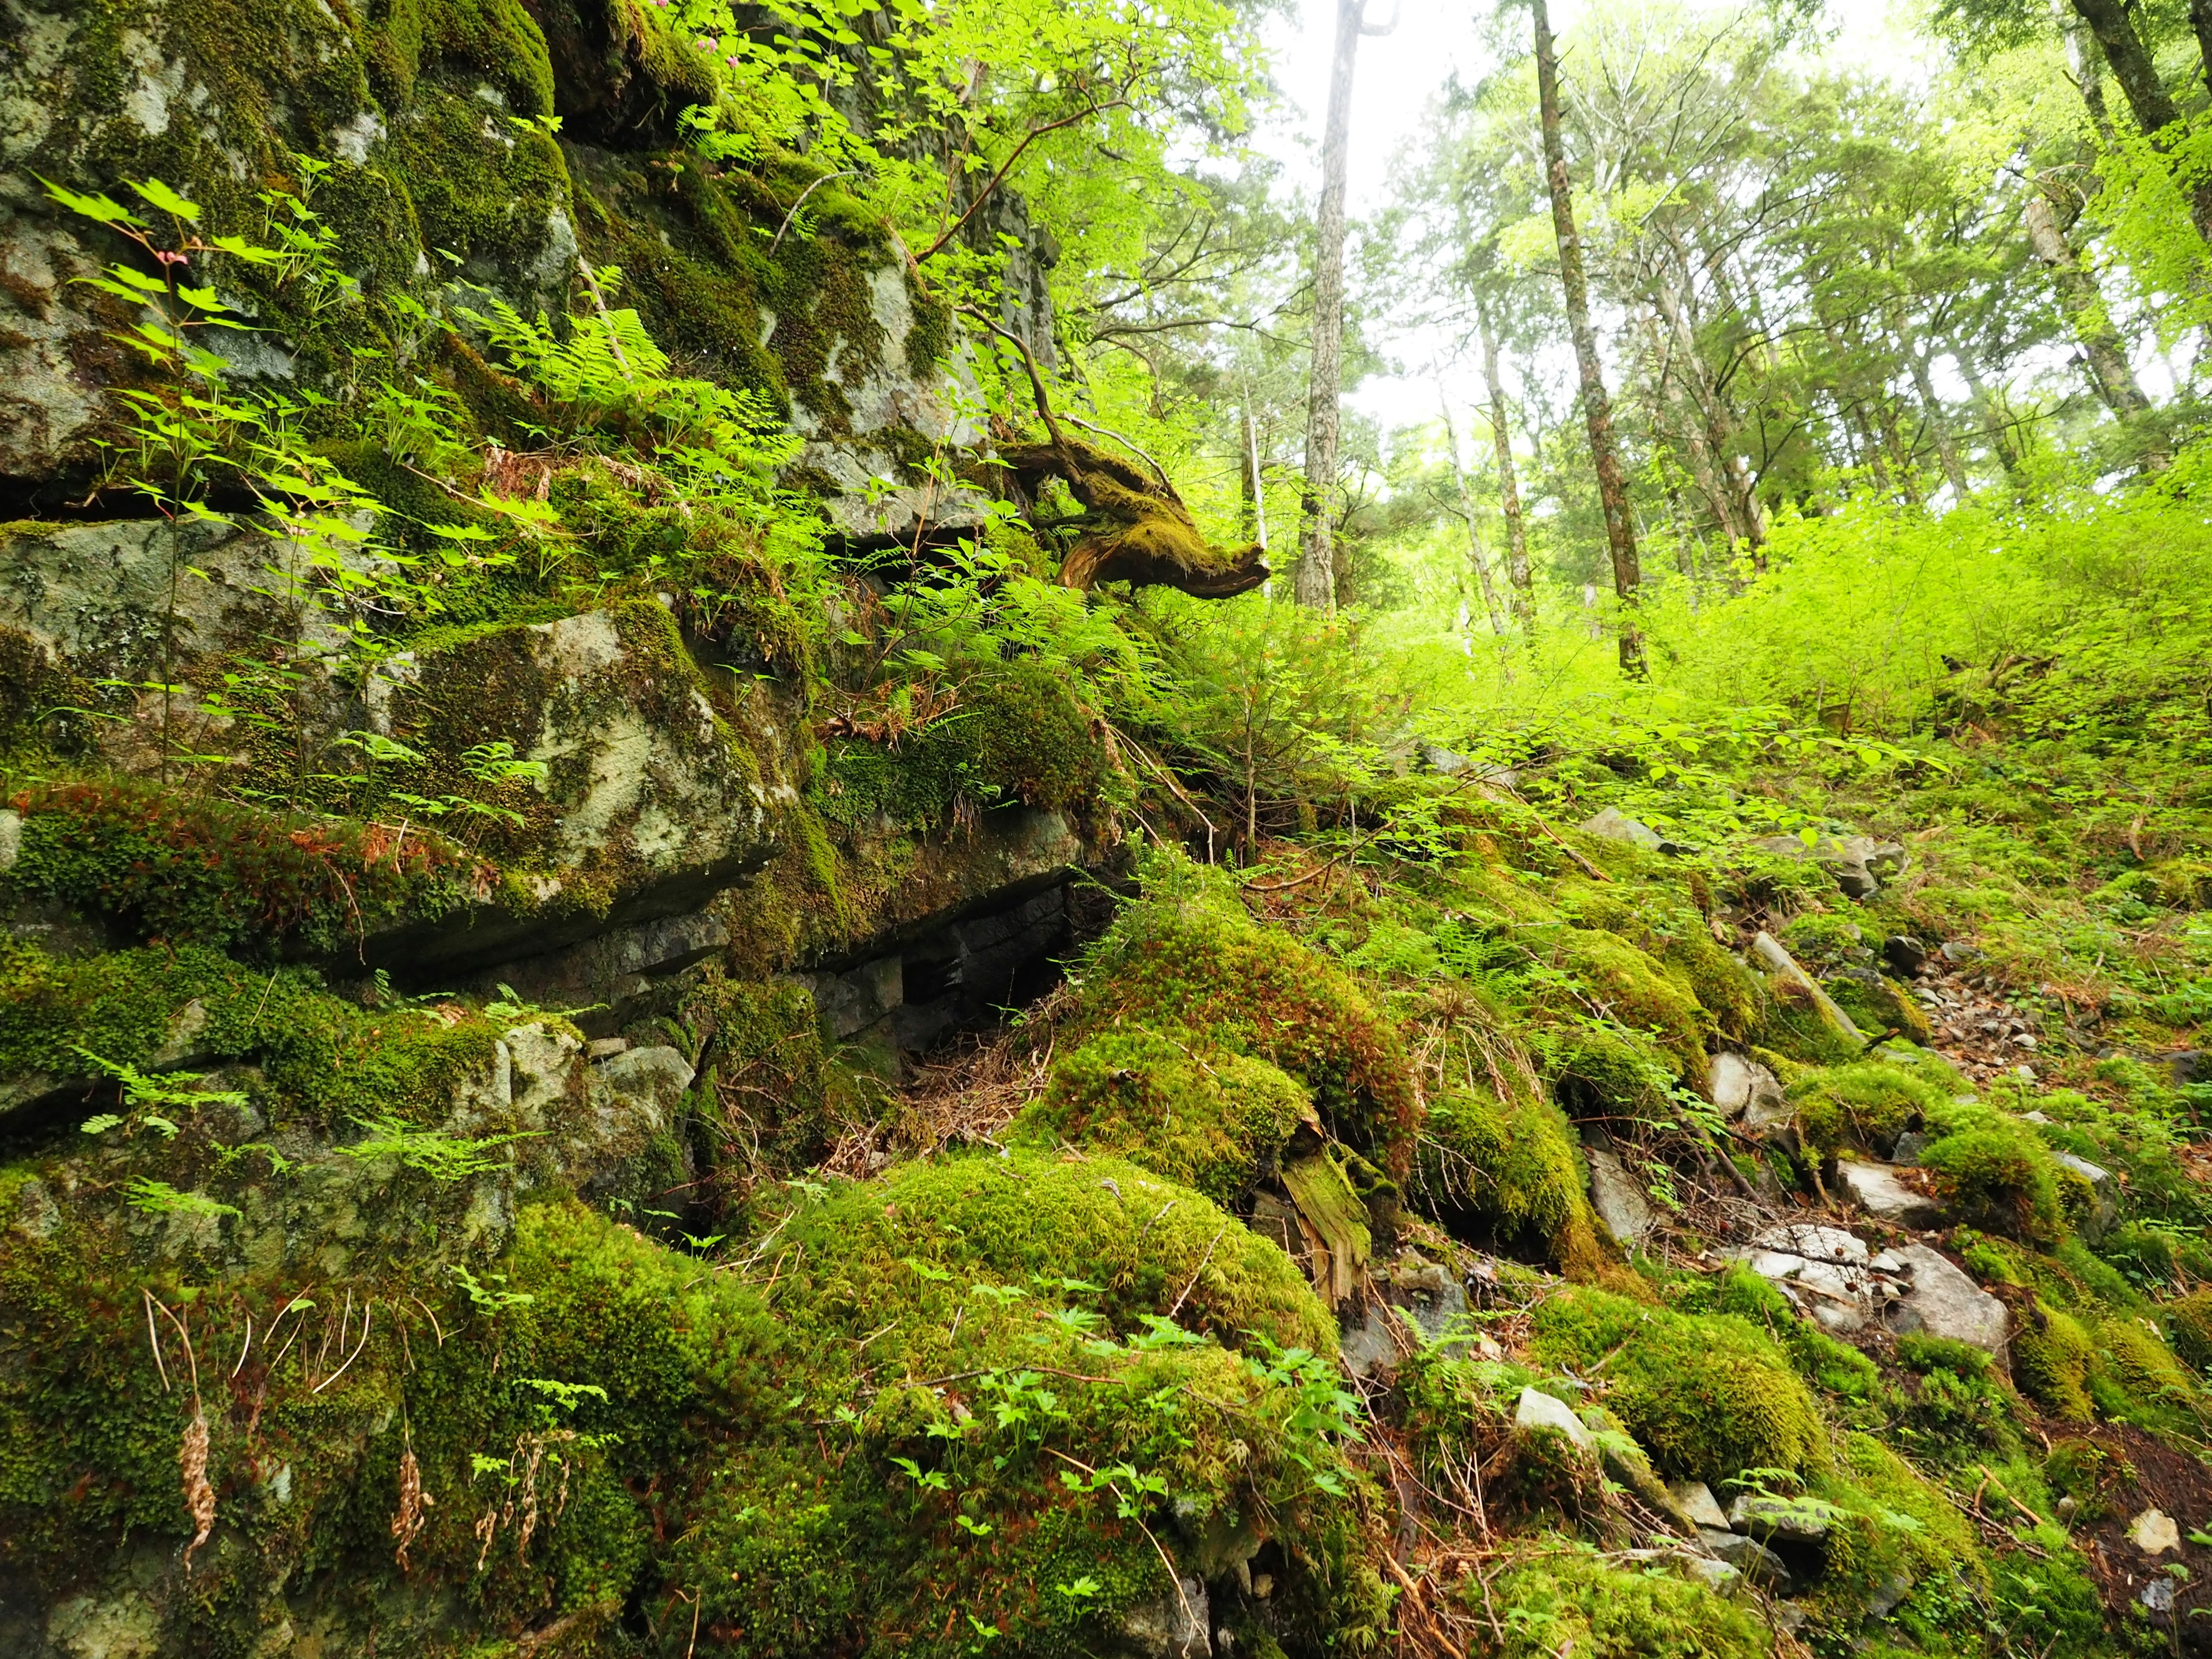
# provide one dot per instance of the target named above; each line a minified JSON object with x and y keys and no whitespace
{"x":1636,"y":990}
{"x":1570,"y":1599}
{"x":1995,"y":1172}
{"x":1707,"y":1395}
{"x":1186,"y":957}
{"x":1216,"y":1122}
{"x":2189,"y":1327}
{"x":1888,"y":1527}
{"x":1508,"y":1175}
{"x":2052,"y":1358}
{"x":1149,"y":1243}
{"x":1866,"y":1105}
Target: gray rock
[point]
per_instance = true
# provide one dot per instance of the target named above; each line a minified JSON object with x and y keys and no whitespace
{"x":1170,"y":1627}
{"x":649,"y":1082}
{"x":1794,"y":984}
{"x":1619,"y":1198}
{"x":1698,"y":1505}
{"x":1879,"y":1190}
{"x":1958,"y":953}
{"x":1757,"y":1563}
{"x":11,"y":840}
{"x":1713,"y":1574}
{"x":1789,"y":1617}
{"x":1539,"y":1413}
{"x":1613,"y":824}
{"x":2105,"y":1189}
{"x":1905,"y":955}
{"x":1736,"y":1085}
{"x":1409,"y":1288}
{"x":1813,"y":1242}
{"x":1859,"y":863}
{"x":1839,"y":1296}
{"x":1888,"y":1595}
{"x":1940,"y":1299}
{"x":1790,"y":1519}
{"x":1909,"y":1145}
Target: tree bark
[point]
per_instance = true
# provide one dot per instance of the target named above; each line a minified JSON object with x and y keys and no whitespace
{"x":1995,"y":427}
{"x":1743,"y":522}
{"x":1667,"y":372}
{"x":1315,"y":583}
{"x":1947,"y":448}
{"x":1509,"y":486}
{"x":2088,"y":74}
{"x":1597,"y":407}
{"x":2110,"y":374}
{"x":1474,"y":554}
{"x":2148,"y":100}
{"x":2200,"y":20}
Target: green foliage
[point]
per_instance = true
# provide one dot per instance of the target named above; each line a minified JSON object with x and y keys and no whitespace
{"x":1568,"y":1595}
{"x":1507,"y":1173}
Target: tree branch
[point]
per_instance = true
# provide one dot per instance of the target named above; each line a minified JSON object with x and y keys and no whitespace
{"x":999,"y":178}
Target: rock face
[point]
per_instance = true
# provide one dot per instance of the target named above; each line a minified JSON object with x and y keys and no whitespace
{"x":1938,"y":1298}
{"x":1175,"y":1626}
{"x":1431,"y":1298}
{"x":1884,"y":1194}
{"x":1613,"y":824}
{"x":1696,"y":1503}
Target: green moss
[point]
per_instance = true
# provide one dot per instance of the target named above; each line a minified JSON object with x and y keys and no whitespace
{"x":155,"y":865}
{"x":1833,"y":1367}
{"x":1507,"y":1175}
{"x":1889,"y":1526}
{"x":1186,"y":957}
{"x":1144,"y":1240}
{"x":1867,"y":1105}
{"x":1018,"y":734}
{"x":1706,"y":1395}
{"x":1995,"y":1174}
{"x":1214,"y":1122}
{"x":1568,"y":1600}
{"x":2052,"y":1357}
{"x":2189,"y":1327}
{"x":1634,"y":990}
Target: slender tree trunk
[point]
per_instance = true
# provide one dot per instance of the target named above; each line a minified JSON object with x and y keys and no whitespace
{"x":1315,"y":583}
{"x":1255,"y":483}
{"x":1740,"y":520}
{"x":2088,"y":72}
{"x":1947,"y":448}
{"x":1597,"y":407}
{"x":1995,"y":427}
{"x":1509,"y":486}
{"x":2110,"y":374}
{"x":1686,"y":423}
{"x":1474,"y":554}
{"x":2200,"y":20}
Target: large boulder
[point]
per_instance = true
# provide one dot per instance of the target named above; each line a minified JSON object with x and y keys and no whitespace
{"x":1939,"y":1298}
{"x":1860,"y":864}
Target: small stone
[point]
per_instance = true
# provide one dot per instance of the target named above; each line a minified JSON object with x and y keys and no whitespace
{"x":1613,"y":824}
{"x":1760,"y":1564}
{"x":1619,"y":1198}
{"x":1698,"y":1505}
{"x":1877,"y":1189}
{"x":601,"y":1048}
{"x":1955,"y":952}
{"x":2153,"y":1533}
{"x":1789,"y":1617}
{"x":1785,"y":1518}
{"x":1887,"y":1594}
{"x":1905,"y":954}
{"x":1737,"y":1086}
{"x":1170,"y":1627}
{"x":1713,"y":1574}
{"x":2158,"y":1595}
{"x":1539,"y":1413}
{"x":1910,"y":1146}
{"x":1942,"y":1301}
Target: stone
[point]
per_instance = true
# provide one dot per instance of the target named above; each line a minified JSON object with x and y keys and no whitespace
{"x":1859,"y":863}
{"x":1905,"y":955}
{"x":1714,"y":1575}
{"x":2158,"y":1595}
{"x":1884,"y":1194}
{"x":1958,"y":953}
{"x":651,"y":1081}
{"x":1888,"y":1596}
{"x":1940,"y":1299}
{"x":1613,"y":824}
{"x":1773,"y":958}
{"x":1813,"y":1242}
{"x":1411,"y":1288}
{"x":1695,"y":1499}
{"x":1757,"y":1563}
{"x":2105,"y":1190}
{"x":1170,"y":1627}
{"x":1737,"y":1085}
{"x":1839,"y":1296}
{"x":1792,"y":1520}
{"x":1539,"y":1413}
{"x":1619,"y":1198}
{"x":1910,"y":1146}
{"x":2186,"y":1066}
{"x":2155,"y":1532}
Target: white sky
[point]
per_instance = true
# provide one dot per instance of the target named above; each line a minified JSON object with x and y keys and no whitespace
{"x":1398,"y":74}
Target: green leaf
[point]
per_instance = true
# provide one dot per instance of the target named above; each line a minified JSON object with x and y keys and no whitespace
{"x":159,"y":195}
{"x":105,"y":208}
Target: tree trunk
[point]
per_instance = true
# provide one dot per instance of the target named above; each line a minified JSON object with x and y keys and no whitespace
{"x":1947,"y":449}
{"x":2110,"y":374}
{"x":1255,"y":483}
{"x":2200,"y":20}
{"x":2153,"y":109}
{"x":1742,"y":521}
{"x":1719,"y":501}
{"x":1508,"y":488}
{"x":2088,"y":74}
{"x":1597,"y":407}
{"x":1474,"y":554}
{"x":1995,"y":427}
{"x":1315,"y":583}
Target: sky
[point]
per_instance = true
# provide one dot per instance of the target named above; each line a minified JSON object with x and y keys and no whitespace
{"x":1398,"y":75}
